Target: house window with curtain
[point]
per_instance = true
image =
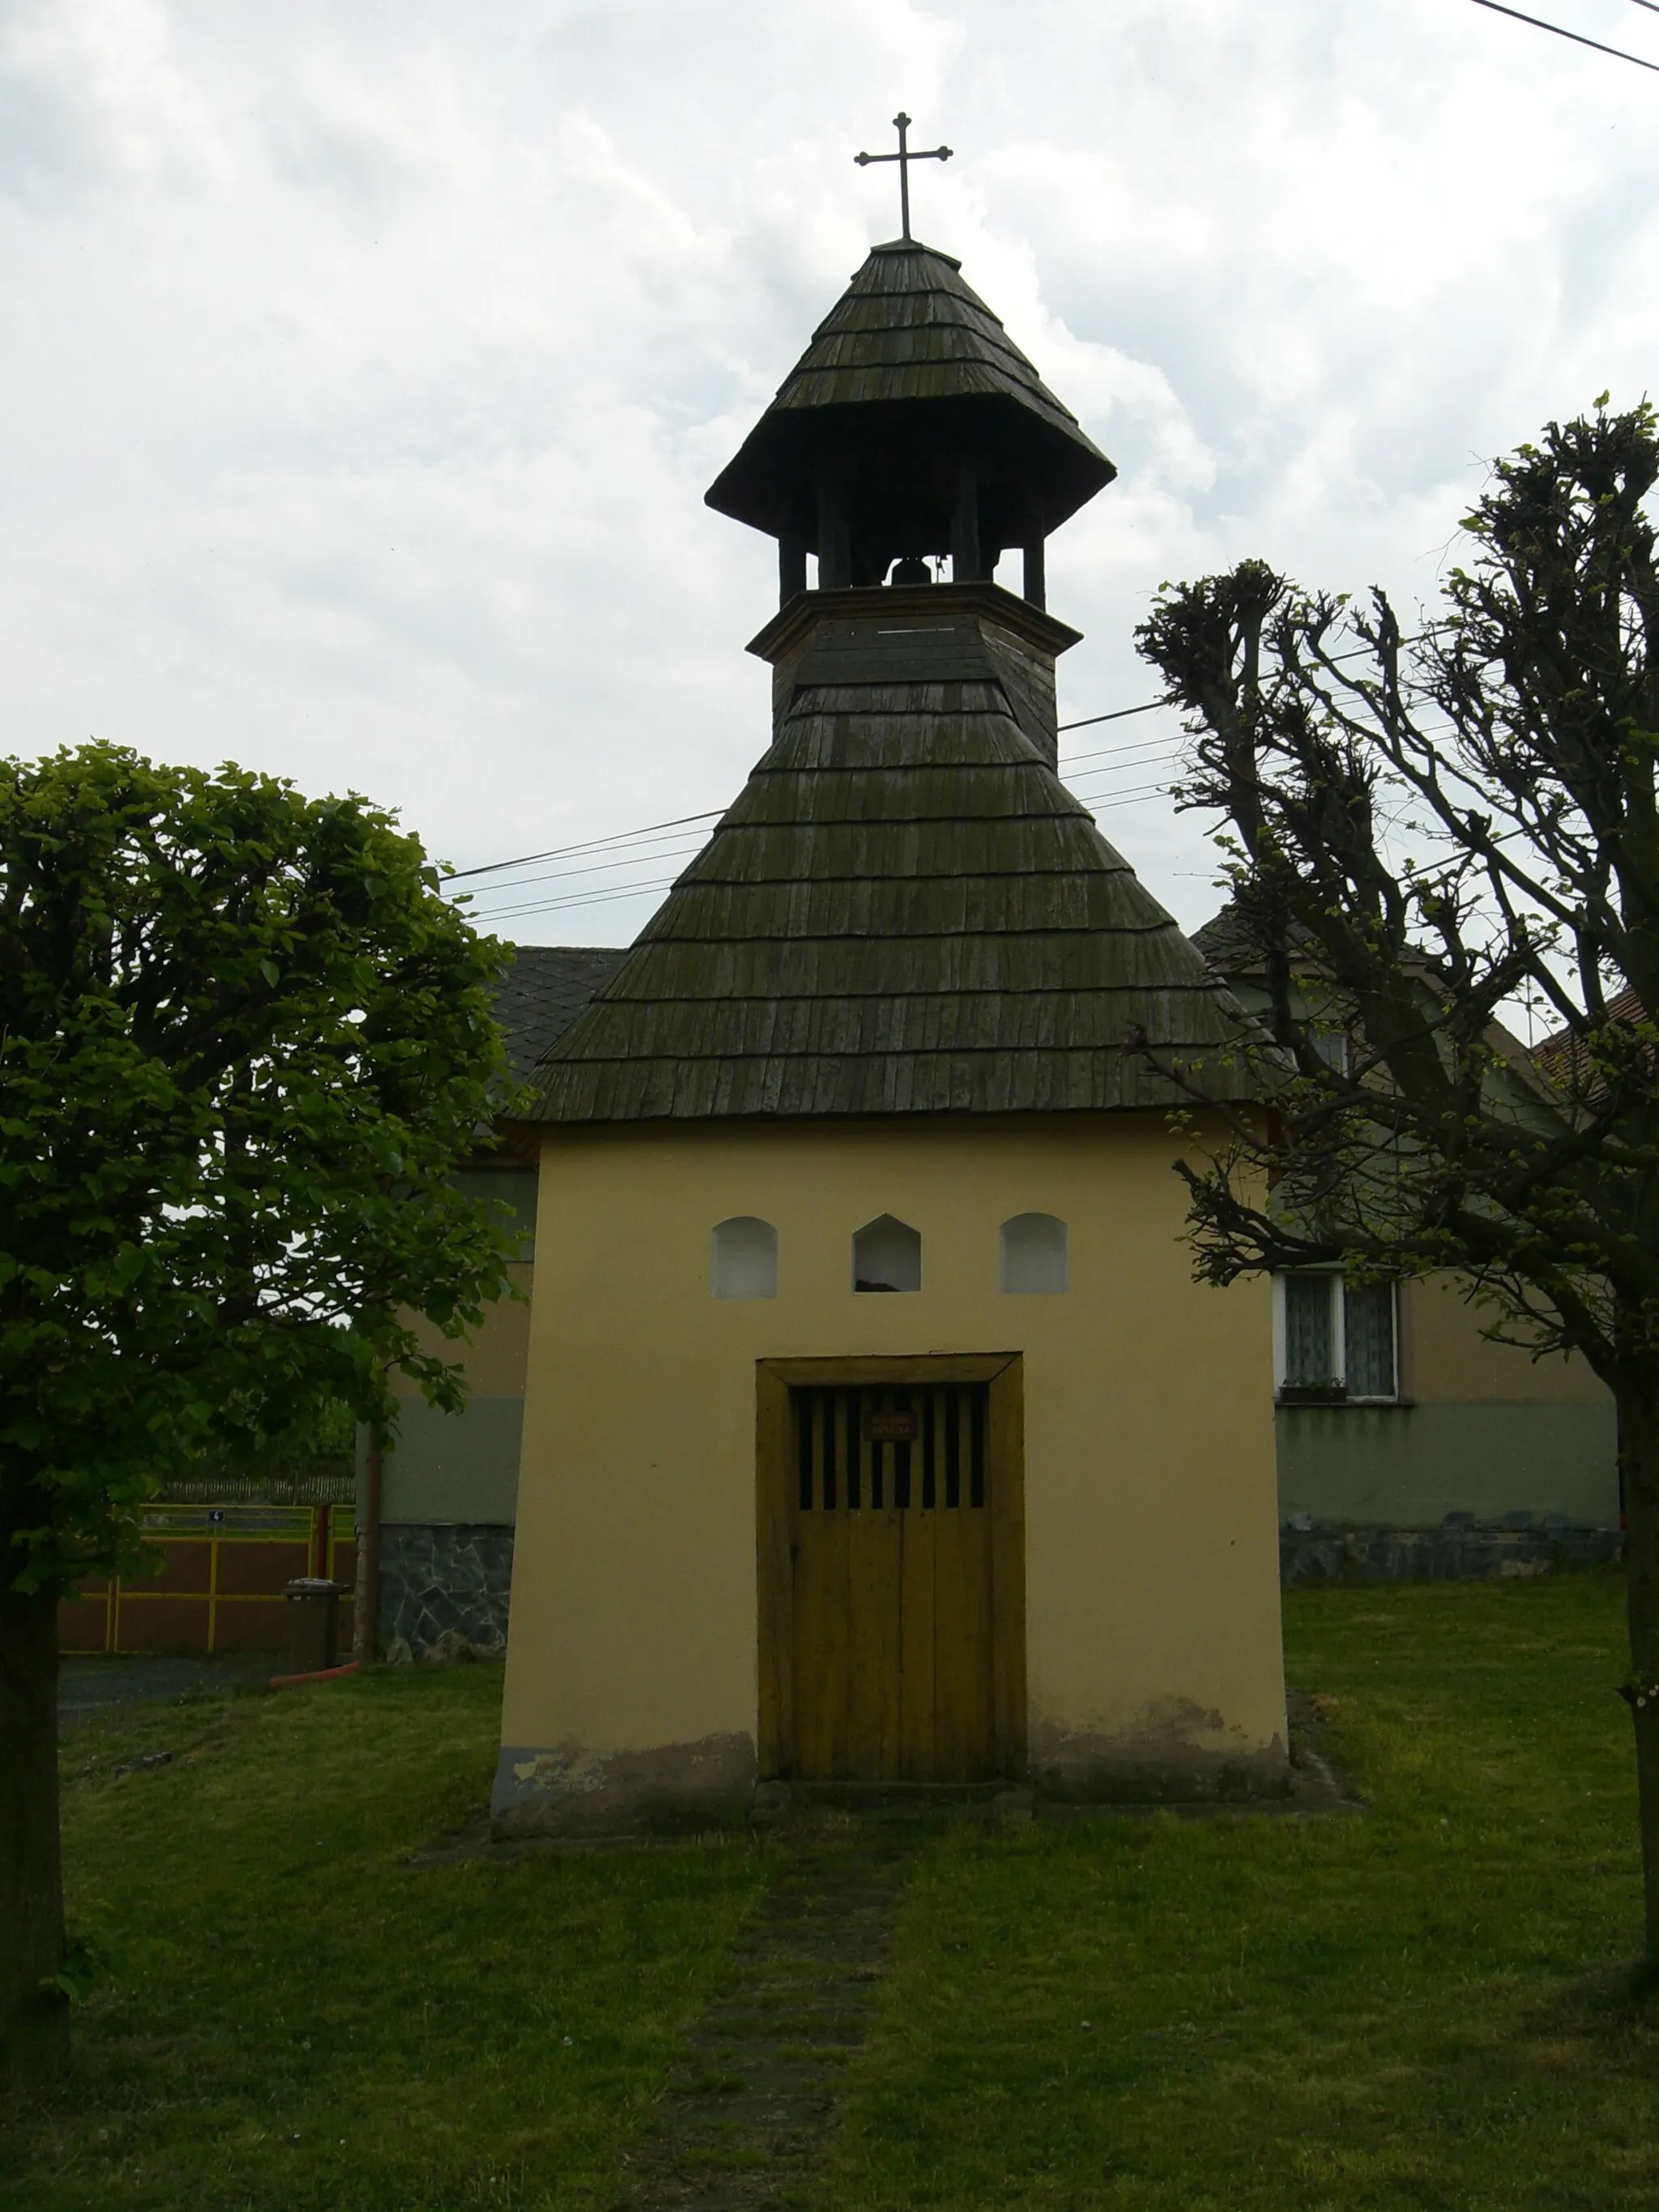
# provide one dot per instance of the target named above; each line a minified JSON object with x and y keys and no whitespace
{"x":1337,"y":1342}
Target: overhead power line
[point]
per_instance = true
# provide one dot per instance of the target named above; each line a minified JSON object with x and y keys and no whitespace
{"x":592,"y":845}
{"x":1121,"y":713}
{"x":1109,"y":795}
{"x":622,"y":841}
{"x":1087,"y":778}
{"x":1578,"y":37}
{"x":662,"y":833}
{"x":600,"y":868}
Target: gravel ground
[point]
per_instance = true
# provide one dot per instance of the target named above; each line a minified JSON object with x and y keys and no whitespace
{"x":85,"y":1686}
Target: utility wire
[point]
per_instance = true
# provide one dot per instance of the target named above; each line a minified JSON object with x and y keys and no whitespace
{"x":1112,"y":796}
{"x":1115,"y":753}
{"x":1578,"y":37}
{"x":1121,"y":713}
{"x":592,"y":845}
{"x":659,"y":832}
{"x":604,"y":867}
{"x":662,"y":833}
{"x":1141,"y":757}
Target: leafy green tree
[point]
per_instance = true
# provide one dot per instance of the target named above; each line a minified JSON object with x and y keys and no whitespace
{"x":1426,"y":831}
{"x":243,"y":1042}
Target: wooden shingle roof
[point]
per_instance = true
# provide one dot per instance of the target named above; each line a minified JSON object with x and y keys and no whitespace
{"x":907,"y":327}
{"x":903,"y":912}
{"x":908,"y":330}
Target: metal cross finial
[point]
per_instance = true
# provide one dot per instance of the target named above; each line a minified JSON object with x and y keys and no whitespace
{"x":904,"y":157}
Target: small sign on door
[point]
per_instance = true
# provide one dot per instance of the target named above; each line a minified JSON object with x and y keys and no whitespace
{"x":891,"y":1426}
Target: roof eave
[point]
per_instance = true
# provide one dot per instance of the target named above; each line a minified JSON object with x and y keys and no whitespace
{"x":793,"y":623}
{"x":763,"y":482}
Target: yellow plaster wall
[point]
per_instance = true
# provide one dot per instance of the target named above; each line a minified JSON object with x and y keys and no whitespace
{"x":1445,"y":1360}
{"x":1153,"y":1588}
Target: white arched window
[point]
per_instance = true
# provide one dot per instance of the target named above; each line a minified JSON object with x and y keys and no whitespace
{"x":887,"y":1256}
{"x":743,"y":1263}
{"x":1033,"y":1253}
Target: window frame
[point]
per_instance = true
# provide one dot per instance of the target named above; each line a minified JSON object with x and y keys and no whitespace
{"x":1299,"y":1394}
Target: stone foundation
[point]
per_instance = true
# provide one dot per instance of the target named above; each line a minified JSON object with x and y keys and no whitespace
{"x":447,"y":1583}
{"x":1462,"y":1549}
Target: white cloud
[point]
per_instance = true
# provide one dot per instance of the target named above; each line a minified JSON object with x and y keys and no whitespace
{"x":92,"y":99}
{"x":364,"y":367}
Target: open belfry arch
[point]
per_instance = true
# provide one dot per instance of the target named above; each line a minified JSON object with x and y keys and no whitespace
{"x":876,"y":1435}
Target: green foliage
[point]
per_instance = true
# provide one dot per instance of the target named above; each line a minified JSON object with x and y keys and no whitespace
{"x":243,"y":1042}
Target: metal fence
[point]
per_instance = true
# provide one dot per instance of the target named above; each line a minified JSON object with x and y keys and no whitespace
{"x":223,"y":1569}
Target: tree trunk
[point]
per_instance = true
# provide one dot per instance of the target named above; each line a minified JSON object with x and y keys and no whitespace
{"x":34,"y":2015}
{"x":1638,"y":1469}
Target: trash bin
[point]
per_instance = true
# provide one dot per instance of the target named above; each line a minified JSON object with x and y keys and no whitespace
{"x":313,"y":1624}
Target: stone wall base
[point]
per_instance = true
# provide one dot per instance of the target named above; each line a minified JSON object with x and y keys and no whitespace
{"x":444,"y":1584}
{"x":1460,"y":1550}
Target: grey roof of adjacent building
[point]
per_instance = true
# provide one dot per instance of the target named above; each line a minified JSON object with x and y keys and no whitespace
{"x":904,"y":912}
{"x":1235,"y":950}
{"x":543,"y":991}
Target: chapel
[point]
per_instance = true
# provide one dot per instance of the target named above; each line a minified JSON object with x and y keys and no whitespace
{"x":876,"y":1435}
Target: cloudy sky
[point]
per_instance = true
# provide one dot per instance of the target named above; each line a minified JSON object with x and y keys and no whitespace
{"x":363,"y":362}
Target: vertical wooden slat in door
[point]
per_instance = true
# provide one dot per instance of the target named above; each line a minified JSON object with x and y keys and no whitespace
{"x":964,"y":1701}
{"x":819,"y":1553}
{"x":874,"y":1560}
{"x":918,"y":1751}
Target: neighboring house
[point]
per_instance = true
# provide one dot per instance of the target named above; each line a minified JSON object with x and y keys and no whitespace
{"x":449,"y":1482}
{"x":1408,"y":1443}
{"x":877,"y":1437}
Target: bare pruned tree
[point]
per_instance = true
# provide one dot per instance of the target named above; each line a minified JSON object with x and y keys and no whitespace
{"x":1426,"y":832}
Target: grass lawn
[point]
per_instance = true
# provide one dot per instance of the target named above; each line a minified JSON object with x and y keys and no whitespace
{"x":305,"y":2020}
{"x":1423,"y":2005}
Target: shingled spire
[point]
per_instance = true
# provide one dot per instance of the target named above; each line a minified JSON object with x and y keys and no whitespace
{"x":913,"y":425}
{"x":905,"y":912}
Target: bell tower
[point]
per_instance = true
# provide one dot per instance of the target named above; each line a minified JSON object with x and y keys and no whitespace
{"x":912,"y":430}
{"x":905,"y":1017}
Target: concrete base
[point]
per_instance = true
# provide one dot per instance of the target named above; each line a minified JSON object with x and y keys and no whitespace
{"x":675,"y":1789}
{"x":1086,"y":1771}
{"x":1312,"y":1552}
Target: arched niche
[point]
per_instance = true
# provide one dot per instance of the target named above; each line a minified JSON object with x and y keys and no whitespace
{"x":887,"y":1255}
{"x":744,"y":1261}
{"x":1033,"y":1253}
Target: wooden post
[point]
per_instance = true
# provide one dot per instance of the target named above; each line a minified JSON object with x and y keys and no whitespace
{"x":964,"y":526}
{"x":792,"y":566}
{"x":1037,"y":582}
{"x":835,"y":534}
{"x":366,"y":1620}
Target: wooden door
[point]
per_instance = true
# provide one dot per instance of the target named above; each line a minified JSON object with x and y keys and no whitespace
{"x":895,"y":1511}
